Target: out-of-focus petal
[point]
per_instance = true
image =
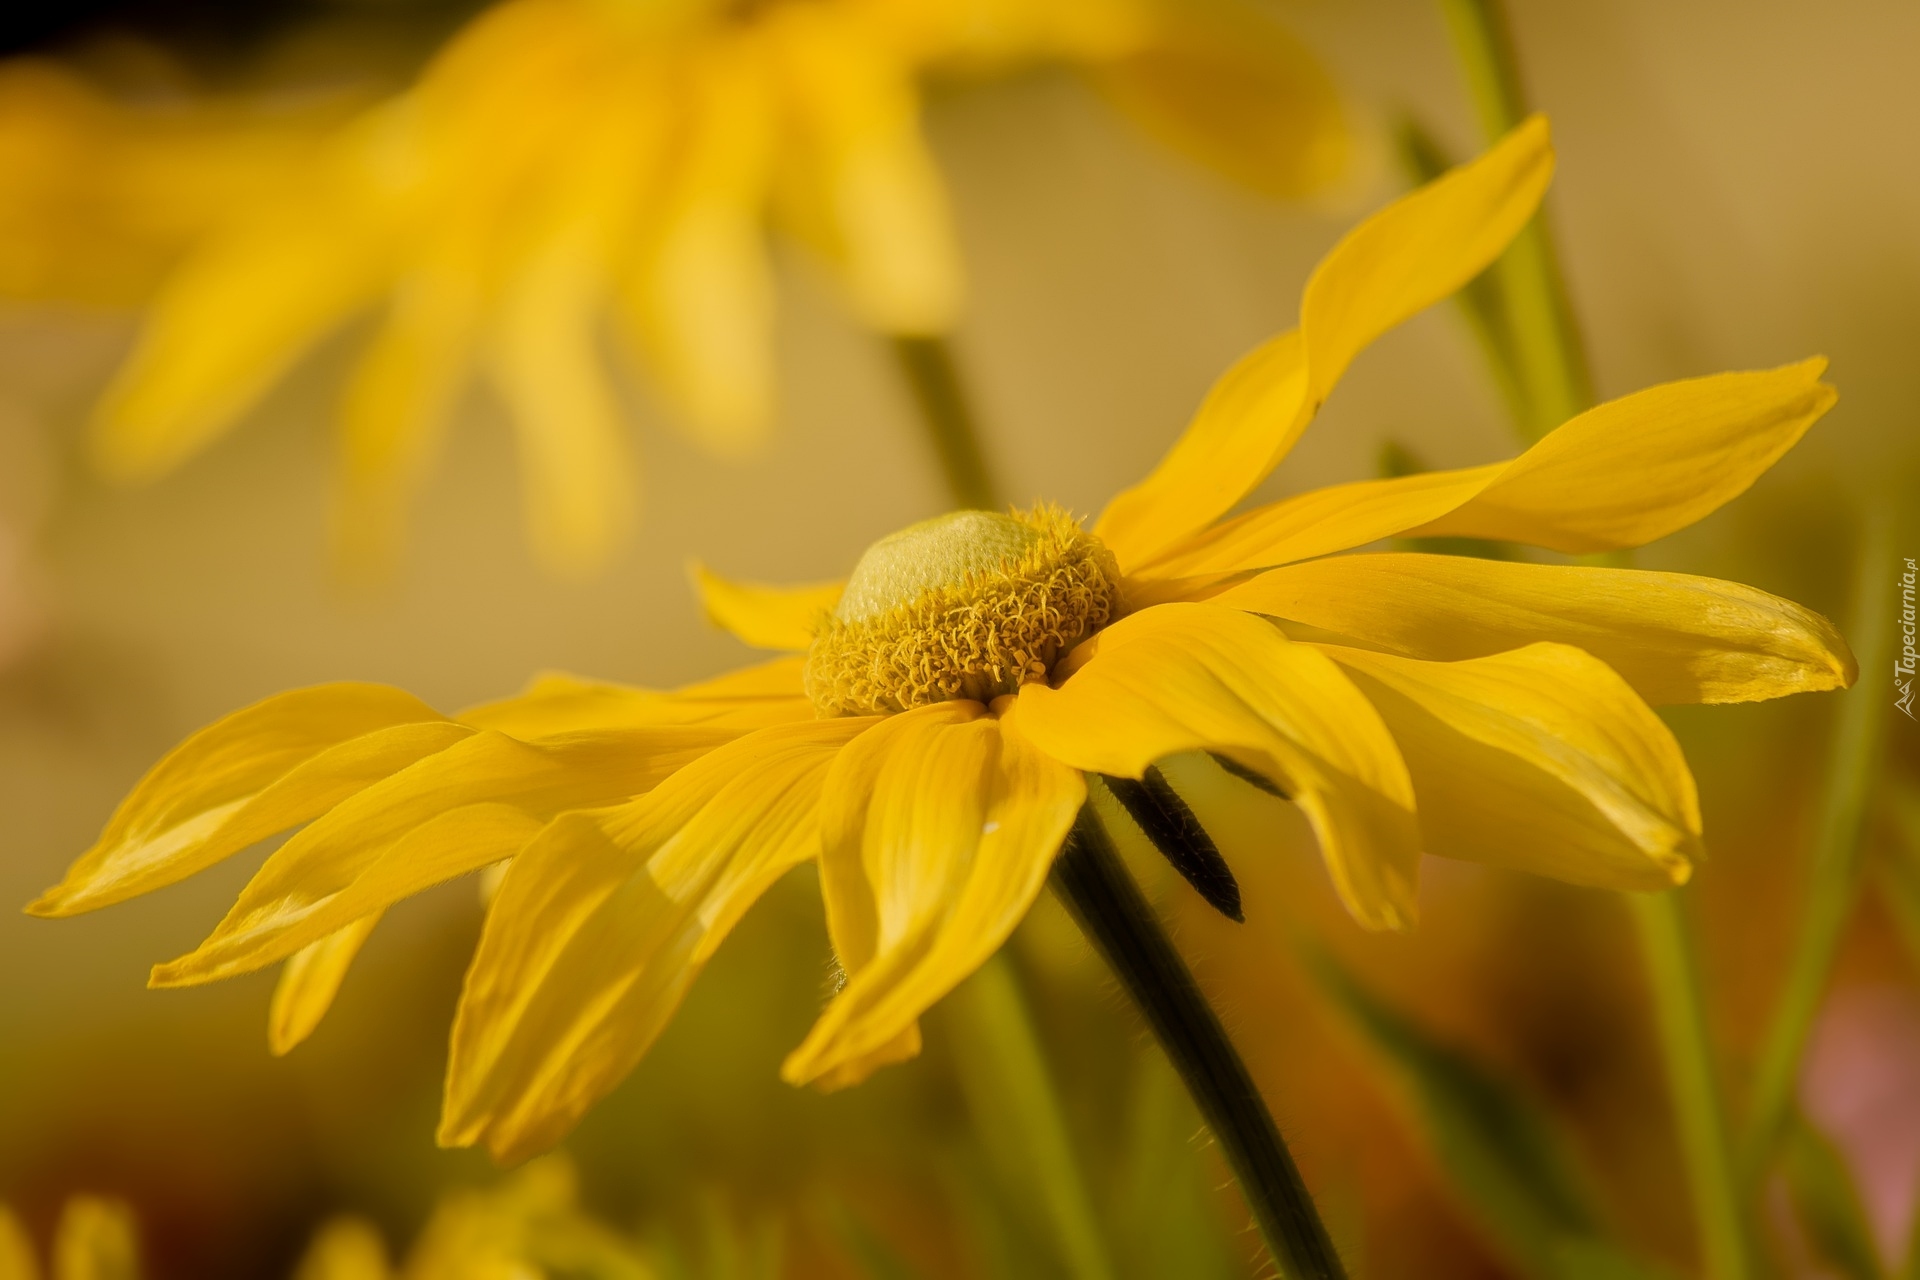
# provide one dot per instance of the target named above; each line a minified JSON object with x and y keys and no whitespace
{"x":544,"y":357}
{"x":752,"y":698}
{"x":1401,"y":260}
{"x":699,"y":296}
{"x":260,"y":770}
{"x":246,"y":305}
{"x":604,"y":921}
{"x":1196,"y":677}
{"x":345,"y":1248}
{"x":860,"y":184}
{"x":937,"y":832}
{"x":782,"y":618}
{"x":1241,"y":96}
{"x":474,"y":803}
{"x":1672,"y":636}
{"x":309,"y":981}
{"x":1542,"y":759}
{"x":1619,"y":475}
{"x":16,"y":1249}
{"x":96,"y":1239}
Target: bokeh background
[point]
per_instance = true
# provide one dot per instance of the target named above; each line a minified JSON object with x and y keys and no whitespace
{"x":1737,"y":189}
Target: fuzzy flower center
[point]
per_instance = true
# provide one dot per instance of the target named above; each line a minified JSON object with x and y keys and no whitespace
{"x":968,"y":605}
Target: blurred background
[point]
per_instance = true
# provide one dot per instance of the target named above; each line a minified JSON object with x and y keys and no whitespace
{"x":1737,"y":189}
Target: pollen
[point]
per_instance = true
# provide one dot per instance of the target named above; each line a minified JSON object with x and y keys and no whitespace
{"x":968,"y":605}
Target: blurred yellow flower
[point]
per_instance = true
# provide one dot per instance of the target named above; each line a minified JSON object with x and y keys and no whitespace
{"x":927,"y":742}
{"x":566,"y":159}
{"x":97,"y":1239}
{"x":531,"y":1225}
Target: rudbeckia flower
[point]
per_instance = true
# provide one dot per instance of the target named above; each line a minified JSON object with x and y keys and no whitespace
{"x":563,"y":162}
{"x":929,"y":737}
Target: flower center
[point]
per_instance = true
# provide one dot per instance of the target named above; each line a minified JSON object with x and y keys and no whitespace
{"x":967,"y":605}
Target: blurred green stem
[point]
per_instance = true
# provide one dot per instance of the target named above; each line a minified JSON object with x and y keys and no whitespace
{"x":1531,"y":333}
{"x":1004,"y":1076}
{"x":1116,"y":917}
{"x":929,"y":368}
{"x":999,"y":1055}
{"x":1852,"y":764}
{"x":1673,"y":980}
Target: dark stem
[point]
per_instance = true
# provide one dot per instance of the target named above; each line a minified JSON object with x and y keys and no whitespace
{"x":928,"y":365}
{"x":1116,"y":917}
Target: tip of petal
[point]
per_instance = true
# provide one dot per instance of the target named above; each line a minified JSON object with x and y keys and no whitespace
{"x":54,"y":904}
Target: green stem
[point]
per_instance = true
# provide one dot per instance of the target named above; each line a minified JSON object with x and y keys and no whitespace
{"x":1095,"y":885}
{"x":1003,"y":1073}
{"x":1539,"y":344}
{"x":928,"y":365}
{"x":1673,"y":981}
{"x":1534,"y":334}
{"x":1846,"y":789}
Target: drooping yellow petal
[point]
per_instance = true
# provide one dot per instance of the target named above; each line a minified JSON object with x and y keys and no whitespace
{"x":260,"y":770}
{"x":1196,"y":677}
{"x":603,"y":922}
{"x":472,"y":804}
{"x":97,"y":1239}
{"x":752,"y":698}
{"x":936,"y":838}
{"x":1401,"y":260}
{"x":16,"y":1249}
{"x":1672,"y":636}
{"x":699,"y":297}
{"x":1542,"y":759}
{"x":576,"y":470}
{"x":859,"y":182}
{"x":395,"y":408}
{"x":345,"y":1248}
{"x":1619,"y":475}
{"x":766,"y":617}
{"x":244,"y":308}
{"x":1241,"y":96}
{"x":309,"y":981}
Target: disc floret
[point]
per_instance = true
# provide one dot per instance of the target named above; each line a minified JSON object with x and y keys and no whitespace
{"x":972,"y":604}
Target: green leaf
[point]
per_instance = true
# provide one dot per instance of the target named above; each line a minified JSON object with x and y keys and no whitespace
{"x":1502,"y":1154}
{"x":1827,"y":1203}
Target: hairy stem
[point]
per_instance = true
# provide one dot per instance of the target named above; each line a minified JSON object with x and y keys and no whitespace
{"x":1091,"y":879}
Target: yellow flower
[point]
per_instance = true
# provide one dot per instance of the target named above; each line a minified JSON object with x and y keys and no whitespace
{"x":531,"y":1225}
{"x":929,"y":737}
{"x":563,"y":160}
{"x":96,"y":1239}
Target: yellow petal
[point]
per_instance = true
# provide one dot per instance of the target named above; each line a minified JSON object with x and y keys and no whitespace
{"x":1404,"y":258}
{"x":474,"y":803}
{"x":260,"y":770}
{"x":766,"y":617}
{"x":394,"y":411}
{"x":700,"y":297}
{"x":309,"y":981}
{"x":859,"y":182}
{"x":1542,"y":759}
{"x":238,"y":313}
{"x":544,"y":358}
{"x":1196,"y":677}
{"x":345,"y":1248}
{"x":753,"y":698}
{"x":16,"y":1249}
{"x":1242,"y":97}
{"x":1618,"y":475}
{"x":97,"y":1239}
{"x":1672,"y":636}
{"x":604,"y":921}
{"x":936,"y":837}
